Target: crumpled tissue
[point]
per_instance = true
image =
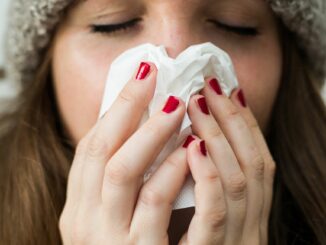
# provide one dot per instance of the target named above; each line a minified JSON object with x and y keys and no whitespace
{"x":182,"y":77}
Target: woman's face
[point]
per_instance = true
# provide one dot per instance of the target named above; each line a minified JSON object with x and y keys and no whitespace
{"x":83,"y":51}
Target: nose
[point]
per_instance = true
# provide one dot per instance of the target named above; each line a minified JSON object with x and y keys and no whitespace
{"x":176,"y":35}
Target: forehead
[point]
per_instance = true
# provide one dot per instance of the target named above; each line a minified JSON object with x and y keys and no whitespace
{"x":97,"y":9}
{"x":100,"y":6}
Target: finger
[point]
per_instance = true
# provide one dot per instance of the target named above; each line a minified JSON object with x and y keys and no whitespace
{"x":73,"y":189}
{"x":76,"y":169}
{"x":113,"y":129}
{"x":152,"y":213}
{"x":239,"y":100}
{"x":222,"y":155}
{"x":125,"y":170}
{"x":87,"y":168}
{"x":209,"y":222}
{"x":246,"y":150}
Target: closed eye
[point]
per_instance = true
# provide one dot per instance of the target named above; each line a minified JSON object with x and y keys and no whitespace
{"x":240,"y":30}
{"x":107,"y":29}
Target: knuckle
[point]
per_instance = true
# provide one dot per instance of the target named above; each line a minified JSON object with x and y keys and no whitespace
{"x":151,"y":198}
{"x":212,"y":176}
{"x":232,"y":112}
{"x":117,"y":173}
{"x":213,"y":136}
{"x":271,"y":167}
{"x":96,"y":147}
{"x":216,"y":219}
{"x":152,"y":129}
{"x":253,"y":124}
{"x":236,"y":186}
{"x":270,"y":164}
{"x":258,"y":166}
{"x":81,"y":147}
{"x":172,"y":163}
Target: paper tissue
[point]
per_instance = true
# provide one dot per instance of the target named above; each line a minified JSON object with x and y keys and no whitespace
{"x":181,"y":77}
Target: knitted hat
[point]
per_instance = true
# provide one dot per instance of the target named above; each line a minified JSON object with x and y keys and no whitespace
{"x":32,"y":23}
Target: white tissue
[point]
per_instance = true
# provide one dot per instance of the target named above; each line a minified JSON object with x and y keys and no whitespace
{"x":181,"y":77}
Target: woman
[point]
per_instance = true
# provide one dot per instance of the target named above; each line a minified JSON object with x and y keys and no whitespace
{"x":59,"y":53}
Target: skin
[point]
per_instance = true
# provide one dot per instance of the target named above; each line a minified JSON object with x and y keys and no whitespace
{"x":233,"y":182}
{"x":81,"y":58}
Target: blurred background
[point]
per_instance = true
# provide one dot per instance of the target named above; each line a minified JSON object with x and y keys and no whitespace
{"x":5,"y":89}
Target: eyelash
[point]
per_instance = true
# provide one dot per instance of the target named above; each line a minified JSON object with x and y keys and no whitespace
{"x":239,"y":30}
{"x":110,"y":29}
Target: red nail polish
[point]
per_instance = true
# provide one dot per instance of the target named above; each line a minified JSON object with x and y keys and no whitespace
{"x":203,"y":105}
{"x":188,"y":141}
{"x":241,"y":98}
{"x":216,"y":86}
{"x":203,"y":149}
{"x":171,"y":104}
{"x":143,"y":71}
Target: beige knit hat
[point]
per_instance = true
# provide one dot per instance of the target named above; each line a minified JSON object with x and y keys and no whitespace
{"x":32,"y":23}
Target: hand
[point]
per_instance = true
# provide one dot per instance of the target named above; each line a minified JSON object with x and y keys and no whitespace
{"x":107,"y":202}
{"x":234,"y":181}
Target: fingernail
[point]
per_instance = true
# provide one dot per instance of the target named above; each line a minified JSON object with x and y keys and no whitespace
{"x":143,"y":71}
{"x":203,"y":149}
{"x":215,"y":86}
{"x":203,"y":105}
{"x":171,"y":104}
{"x":189,"y":139}
{"x":241,"y":98}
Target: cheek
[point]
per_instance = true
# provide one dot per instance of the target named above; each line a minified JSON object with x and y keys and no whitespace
{"x":79,"y":78}
{"x":260,"y":79}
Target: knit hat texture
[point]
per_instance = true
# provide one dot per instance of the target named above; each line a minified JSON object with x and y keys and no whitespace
{"x":32,"y":23}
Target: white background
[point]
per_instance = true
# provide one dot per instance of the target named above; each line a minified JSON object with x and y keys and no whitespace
{"x":4,"y":89}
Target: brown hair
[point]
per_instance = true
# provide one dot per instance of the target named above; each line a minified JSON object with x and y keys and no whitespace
{"x":297,"y":140}
{"x":36,"y":154}
{"x":35,"y":158}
